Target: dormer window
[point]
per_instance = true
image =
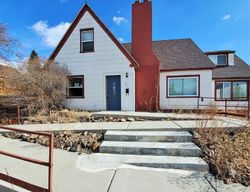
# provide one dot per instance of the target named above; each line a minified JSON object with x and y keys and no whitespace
{"x":87,"y":40}
{"x":221,"y":59}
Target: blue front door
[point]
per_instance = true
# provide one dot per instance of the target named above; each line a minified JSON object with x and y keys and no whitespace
{"x":113,"y":84}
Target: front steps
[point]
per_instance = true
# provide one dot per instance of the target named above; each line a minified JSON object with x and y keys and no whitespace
{"x":158,"y":149}
{"x":151,"y":148}
{"x":149,"y":136}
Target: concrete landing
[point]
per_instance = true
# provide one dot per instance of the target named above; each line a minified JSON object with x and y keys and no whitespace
{"x":144,"y":125}
{"x":149,"y":115}
{"x":102,"y":161}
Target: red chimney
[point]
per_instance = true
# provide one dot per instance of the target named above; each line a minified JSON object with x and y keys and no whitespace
{"x":147,"y":76}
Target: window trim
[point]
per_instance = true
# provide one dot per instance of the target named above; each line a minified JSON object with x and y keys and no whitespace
{"x":231,"y":90}
{"x":83,"y":87}
{"x":87,"y":29}
{"x":183,"y":76}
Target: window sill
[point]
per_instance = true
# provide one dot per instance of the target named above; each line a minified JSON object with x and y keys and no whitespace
{"x":75,"y":98}
{"x":231,"y":100}
{"x":182,"y":97}
{"x":87,"y":51}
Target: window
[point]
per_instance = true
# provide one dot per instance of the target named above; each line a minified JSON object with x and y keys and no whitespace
{"x":223,"y":90}
{"x":87,"y":40}
{"x":231,"y":90}
{"x":183,"y":86}
{"x":221,"y":59}
{"x":76,"y":87}
{"x":239,"y":90}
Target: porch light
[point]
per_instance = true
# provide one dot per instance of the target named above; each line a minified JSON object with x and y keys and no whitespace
{"x":127,"y":75}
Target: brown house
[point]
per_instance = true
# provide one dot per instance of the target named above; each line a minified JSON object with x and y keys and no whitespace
{"x":6,"y":87}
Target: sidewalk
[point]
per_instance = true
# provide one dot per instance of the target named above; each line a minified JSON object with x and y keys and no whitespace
{"x":68,"y":176}
{"x":136,"y":125}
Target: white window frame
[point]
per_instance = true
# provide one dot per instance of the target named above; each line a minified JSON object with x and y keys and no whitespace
{"x":87,"y":41}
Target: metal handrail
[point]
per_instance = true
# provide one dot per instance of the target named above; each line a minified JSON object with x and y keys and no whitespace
{"x":48,"y":164}
{"x":226,"y":101}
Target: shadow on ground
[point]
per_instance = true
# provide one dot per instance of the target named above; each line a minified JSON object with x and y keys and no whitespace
{"x":5,"y":189}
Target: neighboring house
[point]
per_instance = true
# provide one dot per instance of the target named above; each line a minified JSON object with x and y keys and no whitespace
{"x":6,"y":89}
{"x":145,"y":74}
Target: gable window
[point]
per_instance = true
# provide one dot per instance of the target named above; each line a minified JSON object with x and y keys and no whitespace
{"x":231,"y":90}
{"x":221,"y":59}
{"x":76,"y":86}
{"x":183,"y":86}
{"x":87,"y":40}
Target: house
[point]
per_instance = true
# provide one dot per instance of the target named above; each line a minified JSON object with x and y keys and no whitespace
{"x":6,"y":88}
{"x":145,"y":75}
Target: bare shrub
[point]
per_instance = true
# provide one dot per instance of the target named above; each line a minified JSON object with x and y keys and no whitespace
{"x":208,"y":119}
{"x":61,"y":116}
{"x":226,"y":151}
{"x":41,"y":85}
{"x":149,"y":103}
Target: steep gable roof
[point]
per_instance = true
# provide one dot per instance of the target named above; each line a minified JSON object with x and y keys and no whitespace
{"x":179,"y":54}
{"x":85,"y":9}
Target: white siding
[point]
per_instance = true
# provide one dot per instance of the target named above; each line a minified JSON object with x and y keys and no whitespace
{"x":231,"y":59}
{"x":213,"y":58}
{"x":106,"y":60}
{"x":206,"y":90}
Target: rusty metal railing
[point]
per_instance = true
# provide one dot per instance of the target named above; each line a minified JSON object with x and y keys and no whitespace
{"x":225,"y":104}
{"x":49,"y":164}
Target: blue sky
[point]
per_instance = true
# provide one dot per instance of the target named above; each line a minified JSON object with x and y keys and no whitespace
{"x":212,"y":24}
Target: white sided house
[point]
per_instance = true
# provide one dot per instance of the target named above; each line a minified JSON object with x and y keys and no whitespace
{"x":145,"y":75}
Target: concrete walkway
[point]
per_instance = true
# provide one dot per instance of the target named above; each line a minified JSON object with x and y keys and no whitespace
{"x":174,"y":125}
{"x":70,"y":175}
{"x":162,"y":116}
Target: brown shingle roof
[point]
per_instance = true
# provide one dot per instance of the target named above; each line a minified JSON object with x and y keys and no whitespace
{"x":185,"y":54}
{"x":178,"y":54}
{"x":239,"y":70}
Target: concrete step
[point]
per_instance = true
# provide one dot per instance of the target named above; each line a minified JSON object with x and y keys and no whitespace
{"x":149,"y":136}
{"x":186,"y":149}
{"x":166,"y":162}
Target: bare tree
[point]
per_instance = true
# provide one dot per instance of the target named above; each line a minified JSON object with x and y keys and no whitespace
{"x":8,"y":46}
{"x":41,"y":85}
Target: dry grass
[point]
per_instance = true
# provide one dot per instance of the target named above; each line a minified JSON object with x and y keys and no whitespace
{"x":62,"y":116}
{"x":227,"y":152}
